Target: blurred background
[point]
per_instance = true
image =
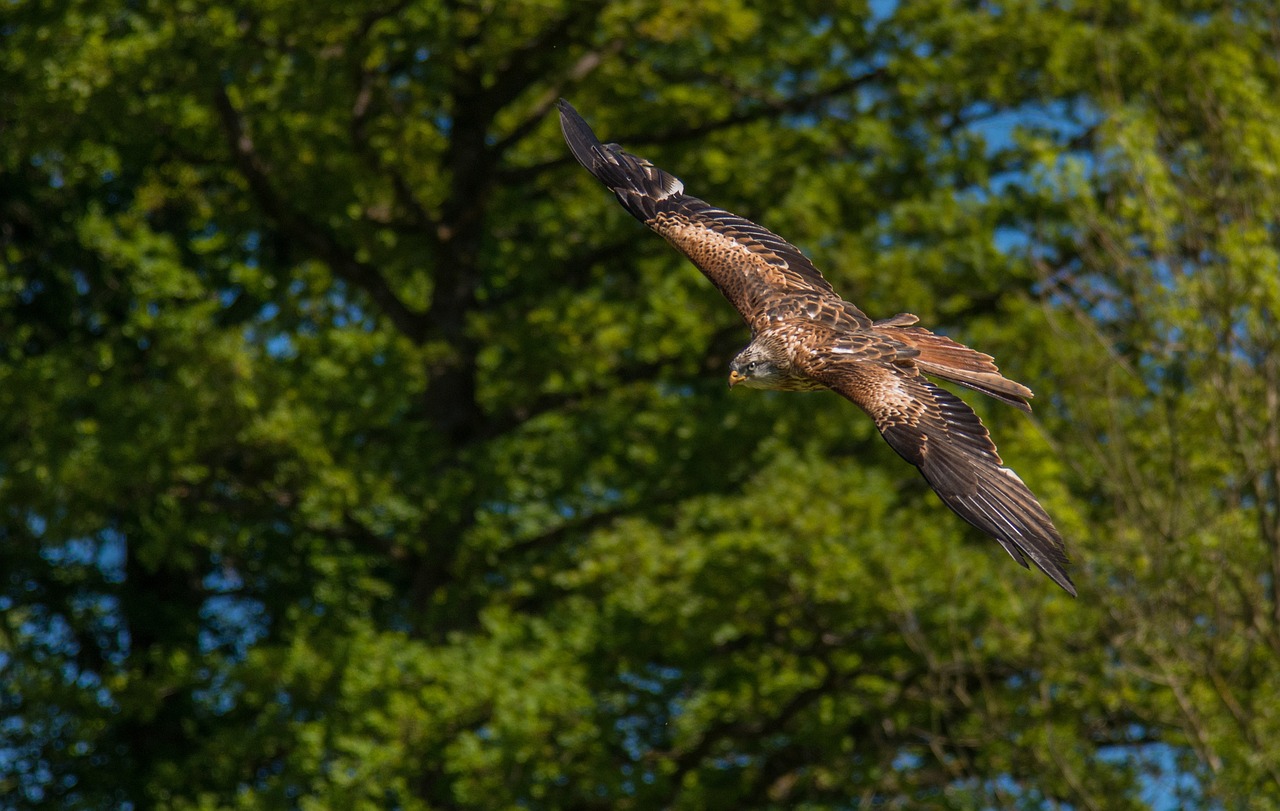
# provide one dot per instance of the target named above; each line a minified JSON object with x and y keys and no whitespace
{"x":359,"y":451}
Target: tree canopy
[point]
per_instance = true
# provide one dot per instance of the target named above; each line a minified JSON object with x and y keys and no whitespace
{"x":360,"y":452}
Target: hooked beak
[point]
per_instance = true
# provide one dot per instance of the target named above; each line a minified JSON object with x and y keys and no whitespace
{"x":736,"y":377}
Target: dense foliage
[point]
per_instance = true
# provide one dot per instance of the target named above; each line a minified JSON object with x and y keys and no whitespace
{"x":359,"y":452}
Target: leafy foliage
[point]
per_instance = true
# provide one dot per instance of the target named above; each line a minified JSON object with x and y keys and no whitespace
{"x":359,"y":452}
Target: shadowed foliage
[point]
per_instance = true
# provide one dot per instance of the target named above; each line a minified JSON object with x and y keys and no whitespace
{"x":358,"y":452}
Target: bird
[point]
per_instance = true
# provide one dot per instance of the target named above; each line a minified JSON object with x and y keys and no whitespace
{"x":805,"y":337}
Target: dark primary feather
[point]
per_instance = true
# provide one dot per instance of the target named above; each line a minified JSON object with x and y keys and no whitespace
{"x":753,"y":267}
{"x":941,"y":435}
{"x":638,"y":184}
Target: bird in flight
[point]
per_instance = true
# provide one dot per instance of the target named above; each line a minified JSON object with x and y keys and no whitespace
{"x":806,"y":338}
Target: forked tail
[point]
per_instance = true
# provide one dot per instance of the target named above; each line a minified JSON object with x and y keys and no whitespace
{"x":942,"y":357}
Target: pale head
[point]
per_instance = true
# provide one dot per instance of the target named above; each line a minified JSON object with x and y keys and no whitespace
{"x":764,"y":364}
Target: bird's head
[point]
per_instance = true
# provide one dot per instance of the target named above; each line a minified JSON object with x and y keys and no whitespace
{"x":760,"y":366}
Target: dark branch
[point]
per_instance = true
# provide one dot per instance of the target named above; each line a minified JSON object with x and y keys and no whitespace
{"x":765,"y":109}
{"x":769,"y":108}
{"x":421,"y":222}
{"x":587,"y":63}
{"x":317,"y":240}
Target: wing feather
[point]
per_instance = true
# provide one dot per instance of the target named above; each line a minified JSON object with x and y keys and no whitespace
{"x":753,"y":267}
{"x":942,"y":436}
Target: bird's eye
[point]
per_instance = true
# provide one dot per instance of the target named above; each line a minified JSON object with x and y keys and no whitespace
{"x":751,"y":367}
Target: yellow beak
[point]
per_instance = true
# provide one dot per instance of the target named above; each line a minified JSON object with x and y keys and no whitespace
{"x":736,"y":377}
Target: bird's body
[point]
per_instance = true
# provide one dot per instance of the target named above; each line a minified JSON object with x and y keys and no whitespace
{"x":805,"y":337}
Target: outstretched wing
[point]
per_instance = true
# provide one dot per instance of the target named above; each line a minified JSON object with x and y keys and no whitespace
{"x":754,"y":268}
{"x":937,"y":432}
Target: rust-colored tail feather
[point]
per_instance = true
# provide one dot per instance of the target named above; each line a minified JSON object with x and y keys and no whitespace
{"x":942,"y":357}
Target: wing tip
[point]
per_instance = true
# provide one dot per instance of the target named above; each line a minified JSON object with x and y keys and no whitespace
{"x":1026,"y":544}
{"x":578,"y":135}
{"x":1021,"y":553}
{"x":637,"y":182}
{"x":1059,"y":575}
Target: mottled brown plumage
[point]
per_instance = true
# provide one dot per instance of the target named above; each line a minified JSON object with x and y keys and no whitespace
{"x":805,"y":337}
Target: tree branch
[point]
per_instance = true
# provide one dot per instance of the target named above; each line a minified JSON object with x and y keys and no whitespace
{"x":316,"y":239}
{"x":763,"y":110}
{"x":587,"y":63}
{"x":420,"y":220}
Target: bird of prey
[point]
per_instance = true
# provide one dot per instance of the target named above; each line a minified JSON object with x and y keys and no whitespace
{"x":805,"y":337}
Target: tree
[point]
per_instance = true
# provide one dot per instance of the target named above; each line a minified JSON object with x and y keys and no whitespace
{"x":359,"y":452}
{"x":1174,"y":282}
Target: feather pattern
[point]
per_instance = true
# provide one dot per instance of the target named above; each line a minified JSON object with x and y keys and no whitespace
{"x":942,"y":357}
{"x":752,"y":266}
{"x":805,"y":337}
{"x":942,"y":436}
